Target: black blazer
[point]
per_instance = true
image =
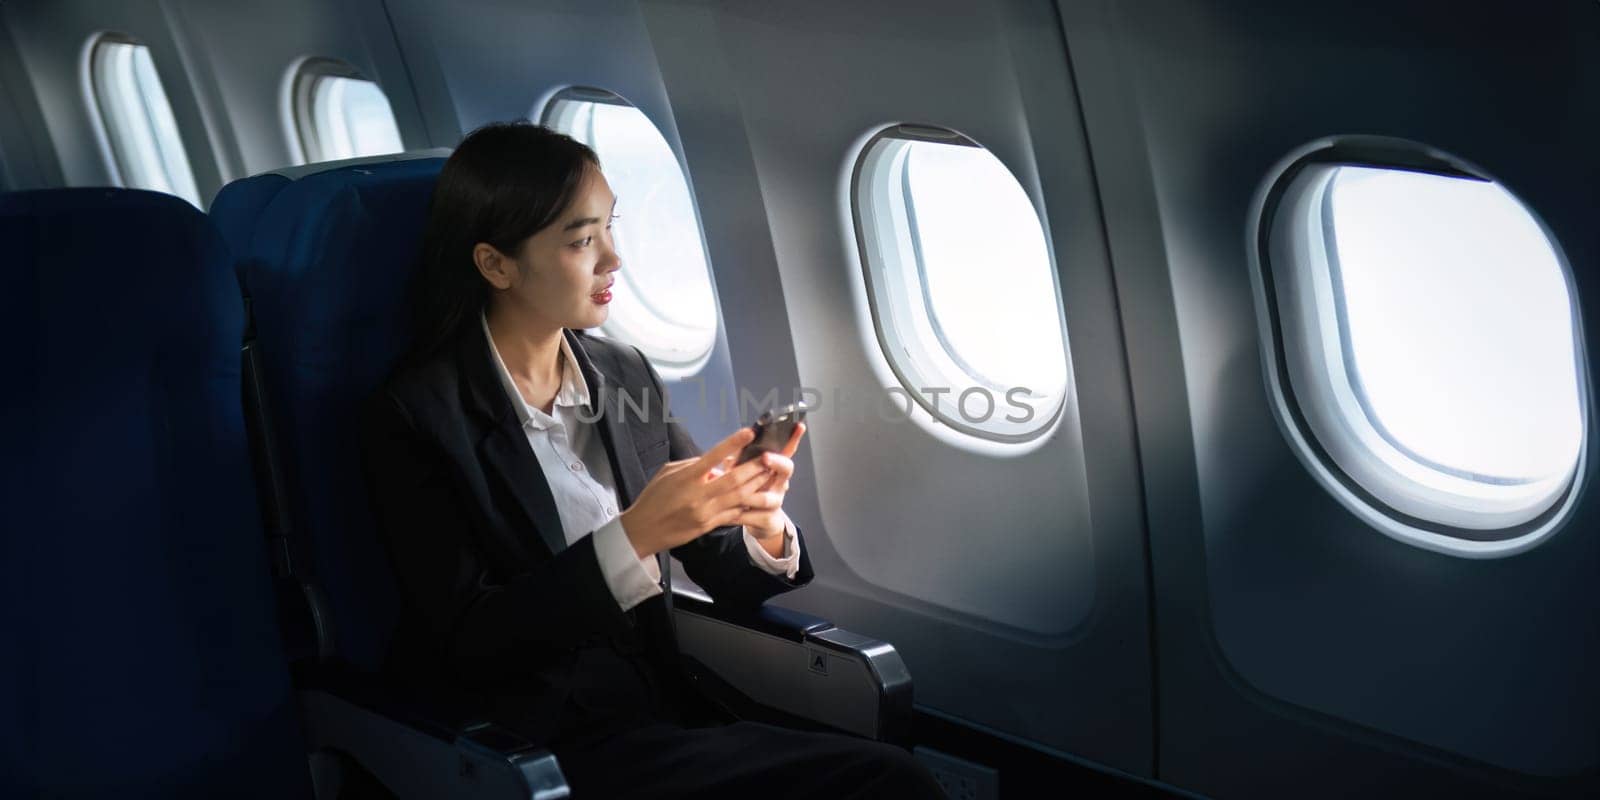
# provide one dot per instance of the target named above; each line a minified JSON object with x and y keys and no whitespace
{"x":496,"y":609}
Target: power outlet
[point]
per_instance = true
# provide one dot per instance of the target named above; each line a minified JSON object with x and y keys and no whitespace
{"x":960,"y":779}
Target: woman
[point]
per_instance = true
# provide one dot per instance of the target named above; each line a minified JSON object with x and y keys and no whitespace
{"x":528,"y":536}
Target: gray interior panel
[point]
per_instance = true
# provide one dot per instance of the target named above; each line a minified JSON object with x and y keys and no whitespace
{"x":26,"y":159}
{"x":1289,"y":628}
{"x":1013,"y":587}
{"x":248,"y":50}
{"x":223,"y":65}
{"x":52,"y":40}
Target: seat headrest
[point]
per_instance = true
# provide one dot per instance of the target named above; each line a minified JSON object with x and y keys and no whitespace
{"x":352,"y":224}
{"x":116,"y":248}
{"x":297,"y":172}
{"x":238,"y":206}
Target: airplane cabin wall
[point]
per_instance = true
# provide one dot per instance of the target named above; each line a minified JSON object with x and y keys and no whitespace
{"x":248,"y":52}
{"x":1296,"y":650}
{"x":1303,"y":652}
{"x":223,"y":66}
{"x":53,"y":40}
{"x":26,"y":159}
{"x":1013,"y":585}
{"x":10,"y":118}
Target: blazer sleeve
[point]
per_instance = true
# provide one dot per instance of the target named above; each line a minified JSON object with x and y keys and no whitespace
{"x":719,"y":561}
{"x":488,"y":628}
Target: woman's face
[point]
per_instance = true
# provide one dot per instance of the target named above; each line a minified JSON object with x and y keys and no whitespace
{"x":560,"y":277}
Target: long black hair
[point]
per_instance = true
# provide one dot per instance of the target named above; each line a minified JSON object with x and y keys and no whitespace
{"x":505,"y":182}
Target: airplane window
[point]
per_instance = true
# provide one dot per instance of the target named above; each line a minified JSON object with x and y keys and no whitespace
{"x":1430,"y":337}
{"x":665,"y":304}
{"x":136,"y":118}
{"x":960,"y":283}
{"x":339,"y":115}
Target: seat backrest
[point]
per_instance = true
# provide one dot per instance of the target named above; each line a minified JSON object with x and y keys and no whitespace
{"x":238,"y":206}
{"x":142,"y":656}
{"x":328,"y":270}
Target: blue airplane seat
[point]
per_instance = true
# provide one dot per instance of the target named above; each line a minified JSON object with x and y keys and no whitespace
{"x":327,"y":273}
{"x":238,"y":210}
{"x":238,"y":206}
{"x":142,"y":655}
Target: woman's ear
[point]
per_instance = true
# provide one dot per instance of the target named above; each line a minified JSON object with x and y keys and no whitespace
{"x":496,"y":267}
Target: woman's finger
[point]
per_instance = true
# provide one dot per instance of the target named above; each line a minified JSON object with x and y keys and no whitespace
{"x":793,"y":444}
{"x":720,"y":469}
{"x":779,"y":464}
{"x":777,"y":472}
{"x":762,"y":500}
{"x":729,"y":491}
{"x":762,"y":480}
{"x":724,"y":517}
{"x":726,"y":448}
{"x":740,"y":475}
{"x":753,"y":494}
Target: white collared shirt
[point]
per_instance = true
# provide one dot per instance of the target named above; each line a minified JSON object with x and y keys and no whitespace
{"x":573,"y":457}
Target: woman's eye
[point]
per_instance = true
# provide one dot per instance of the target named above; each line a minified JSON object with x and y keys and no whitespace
{"x":585,"y":241}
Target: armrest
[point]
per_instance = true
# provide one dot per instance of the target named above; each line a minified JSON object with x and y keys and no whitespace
{"x":418,"y":754}
{"x":796,"y":664}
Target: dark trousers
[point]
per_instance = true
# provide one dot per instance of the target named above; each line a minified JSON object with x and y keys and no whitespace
{"x":642,"y":747}
{"x":739,"y":760}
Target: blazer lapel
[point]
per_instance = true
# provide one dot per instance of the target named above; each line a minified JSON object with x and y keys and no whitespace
{"x":505,"y":447}
{"x":604,"y":398}
{"x":508,"y":454}
{"x":605,"y":392}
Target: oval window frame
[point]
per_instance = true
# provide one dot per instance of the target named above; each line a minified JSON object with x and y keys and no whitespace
{"x":299,"y":106}
{"x":870,"y":154}
{"x":1265,"y":241}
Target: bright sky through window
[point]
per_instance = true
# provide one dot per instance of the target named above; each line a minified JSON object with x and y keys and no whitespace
{"x":1459,"y":322}
{"x":1428,"y":335}
{"x":138,"y":120}
{"x":351,"y":119}
{"x":961,"y":284}
{"x":985,"y":266}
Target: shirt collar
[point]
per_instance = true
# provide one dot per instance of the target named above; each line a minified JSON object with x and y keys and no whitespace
{"x":574,"y":389}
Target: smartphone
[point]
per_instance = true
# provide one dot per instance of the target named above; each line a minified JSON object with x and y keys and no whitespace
{"x":773,"y":429}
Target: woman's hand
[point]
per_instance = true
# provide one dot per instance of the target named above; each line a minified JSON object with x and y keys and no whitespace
{"x":763,"y":516}
{"x":688,"y":498}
